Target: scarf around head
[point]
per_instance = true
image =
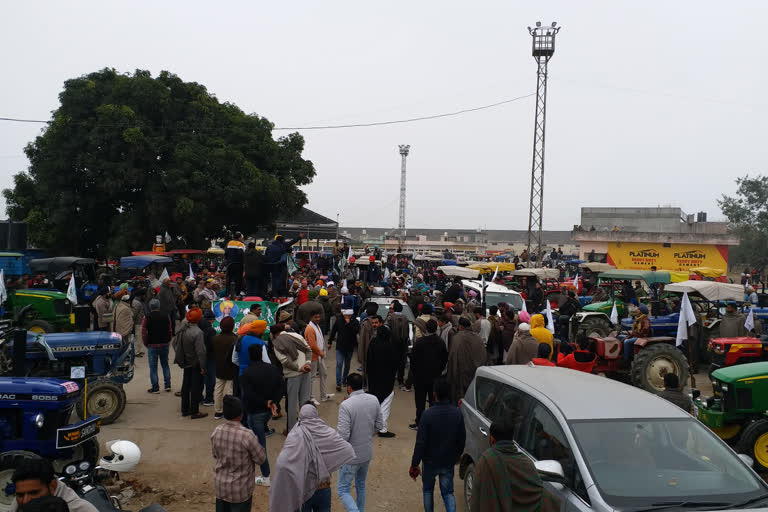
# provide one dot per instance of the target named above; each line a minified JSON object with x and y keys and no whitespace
{"x":311,"y":453}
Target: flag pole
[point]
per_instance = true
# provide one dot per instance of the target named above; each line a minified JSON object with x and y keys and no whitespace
{"x":690,"y":358}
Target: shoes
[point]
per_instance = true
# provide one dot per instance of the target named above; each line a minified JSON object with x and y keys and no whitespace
{"x":360,"y":369}
{"x":338,"y":388}
{"x":269,"y":432}
{"x":284,"y":432}
{"x":208,"y":404}
{"x":184,"y":414}
{"x":199,"y":415}
{"x":413,"y":426}
{"x":178,"y":393}
{"x":218,"y":416}
{"x":386,"y":434}
{"x":140,"y":354}
{"x":153,"y":391}
{"x":315,"y":402}
{"x":262,"y":480}
{"x":168,"y":389}
{"x":328,"y":397}
{"x":404,"y":388}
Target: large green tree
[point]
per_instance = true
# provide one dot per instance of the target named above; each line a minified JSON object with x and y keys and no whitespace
{"x":129,"y":156}
{"x":747,"y":214}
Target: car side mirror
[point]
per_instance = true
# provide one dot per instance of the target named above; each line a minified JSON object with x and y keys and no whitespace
{"x":550,"y":471}
{"x":746,"y":459}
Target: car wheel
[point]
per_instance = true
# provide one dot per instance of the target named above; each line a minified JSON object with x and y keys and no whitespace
{"x":469,"y":486}
{"x":754,"y":442}
{"x":9,"y":461}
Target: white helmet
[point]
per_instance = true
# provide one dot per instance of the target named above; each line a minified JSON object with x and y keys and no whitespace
{"x":122,"y":456}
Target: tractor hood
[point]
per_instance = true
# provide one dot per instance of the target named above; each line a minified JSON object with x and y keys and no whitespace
{"x":598,"y":306}
{"x":17,"y":388}
{"x":41,"y":294}
{"x":741,"y":372}
{"x":71,"y":344}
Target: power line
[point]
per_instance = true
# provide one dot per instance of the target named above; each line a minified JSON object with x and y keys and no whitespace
{"x":355,"y":125}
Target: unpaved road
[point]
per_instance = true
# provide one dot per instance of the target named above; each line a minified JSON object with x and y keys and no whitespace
{"x":176,"y":462}
{"x":176,"y":466}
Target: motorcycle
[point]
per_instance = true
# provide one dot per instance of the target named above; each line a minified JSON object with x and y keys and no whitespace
{"x":85,"y":480}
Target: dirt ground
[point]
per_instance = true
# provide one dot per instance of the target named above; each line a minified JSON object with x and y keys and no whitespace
{"x":176,"y":468}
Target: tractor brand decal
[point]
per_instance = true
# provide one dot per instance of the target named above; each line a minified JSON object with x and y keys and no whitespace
{"x":7,"y":397}
{"x":673,"y":257}
{"x":45,"y":398}
{"x":81,"y":348}
{"x":238,"y":309}
{"x":37,"y":398}
{"x":68,"y":437}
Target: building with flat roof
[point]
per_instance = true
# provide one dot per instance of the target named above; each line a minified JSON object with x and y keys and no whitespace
{"x":639,"y":238}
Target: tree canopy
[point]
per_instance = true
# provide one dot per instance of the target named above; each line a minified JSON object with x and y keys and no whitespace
{"x":747,"y":214}
{"x":128,"y":156}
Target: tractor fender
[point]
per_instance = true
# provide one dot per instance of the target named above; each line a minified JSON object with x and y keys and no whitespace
{"x":644,"y":342}
{"x":583,"y":315}
{"x":120,"y":376}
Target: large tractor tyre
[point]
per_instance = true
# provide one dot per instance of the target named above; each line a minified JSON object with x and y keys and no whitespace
{"x":469,"y":486}
{"x":754,"y":442}
{"x":9,"y":461}
{"x":88,"y":451}
{"x":105,"y":398}
{"x":40,"y":327}
{"x":653,"y":362}
{"x":595,"y":327}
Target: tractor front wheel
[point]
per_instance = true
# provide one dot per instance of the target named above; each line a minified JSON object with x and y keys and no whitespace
{"x":40,"y":327}
{"x":595,"y":327}
{"x":9,"y":461}
{"x":754,"y":442}
{"x":653,"y":362}
{"x":105,"y":398}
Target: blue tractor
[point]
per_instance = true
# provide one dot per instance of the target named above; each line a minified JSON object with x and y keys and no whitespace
{"x":106,"y":358}
{"x":34,"y":422}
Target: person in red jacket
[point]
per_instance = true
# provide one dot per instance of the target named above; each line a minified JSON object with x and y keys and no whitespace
{"x":303,"y":294}
{"x":582,"y":359}
{"x":543,"y":356}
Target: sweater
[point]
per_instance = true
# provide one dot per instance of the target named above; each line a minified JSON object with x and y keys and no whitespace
{"x":223,"y":344}
{"x":441,"y":436}
{"x":346,"y":334}
{"x":259,"y":383}
{"x":428,"y":359}
{"x":156,"y":329}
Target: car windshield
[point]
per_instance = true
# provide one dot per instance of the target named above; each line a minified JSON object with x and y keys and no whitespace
{"x":513,"y":299}
{"x":383,"y":311}
{"x":641,"y":463}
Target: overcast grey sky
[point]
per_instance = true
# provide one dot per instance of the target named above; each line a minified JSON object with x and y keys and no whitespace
{"x":650,"y":103}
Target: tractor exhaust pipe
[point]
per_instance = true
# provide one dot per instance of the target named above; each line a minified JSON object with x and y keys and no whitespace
{"x":19,"y":352}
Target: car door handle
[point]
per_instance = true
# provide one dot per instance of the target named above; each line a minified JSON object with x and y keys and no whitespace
{"x":483,"y":431}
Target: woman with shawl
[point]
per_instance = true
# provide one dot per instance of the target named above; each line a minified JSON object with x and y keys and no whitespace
{"x":311,"y":453}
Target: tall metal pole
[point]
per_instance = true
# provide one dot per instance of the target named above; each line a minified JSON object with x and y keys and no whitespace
{"x":404,"y":150}
{"x":337,"y":226}
{"x":543,"y":47}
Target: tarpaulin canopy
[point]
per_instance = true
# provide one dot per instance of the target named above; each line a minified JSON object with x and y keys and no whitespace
{"x":455,"y":271}
{"x":539,"y":273}
{"x":485,"y":268}
{"x":596,"y":267}
{"x":710,"y":290}
{"x":142,"y":261}
{"x":648,"y":276}
{"x":708,"y":272}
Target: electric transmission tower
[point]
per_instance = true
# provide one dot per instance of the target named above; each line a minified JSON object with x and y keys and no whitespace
{"x":543,"y":47}
{"x":404,"y":149}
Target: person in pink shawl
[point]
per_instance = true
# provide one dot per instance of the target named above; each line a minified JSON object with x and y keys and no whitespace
{"x":311,"y":453}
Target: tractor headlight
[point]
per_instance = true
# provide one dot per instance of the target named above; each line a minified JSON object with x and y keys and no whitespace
{"x":39,"y":420}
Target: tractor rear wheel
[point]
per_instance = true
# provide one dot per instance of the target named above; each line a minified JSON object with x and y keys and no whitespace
{"x":9,"y":461}
{"x":105,"y":398}
{"x":653,"y":362}
{"x":595,"y":327}
{"x":754,"y":442}
{"x":40,"y":326}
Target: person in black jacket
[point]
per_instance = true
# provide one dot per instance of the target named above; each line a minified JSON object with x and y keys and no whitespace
{"x":345,"y":331}
{"x":206,"y":325}
{"x":234,"y":255}
{"x":439,"y":444}
{"x":566,"y":311}
{"x":275,"y":258}
{"x":254,"y":271}
{"x":261,"y":385}
{"x":380,"y":369}
{"x":428,"y":359}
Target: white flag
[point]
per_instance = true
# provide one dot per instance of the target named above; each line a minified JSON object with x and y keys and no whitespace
{"x":750,"y":323}
{"x":482,"y":288}
{"x":550,"y":322}
{"x":386,"y":273}
{"x":576,"y":282}
{"x":495,"y":274}
{"x":3,"y":292}
{"x":525,"y":308}
{"x":72,"y":290}
{"x":191,"y":274}
{"x":687,"y":317}
{"x":614,"y":315}
{"x":164,"y":275}
{"x":167,"y":238}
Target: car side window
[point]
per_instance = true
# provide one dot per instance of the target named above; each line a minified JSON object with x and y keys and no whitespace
{"x":544,"y":439}
{"x":497,"y":401}
{"x":486,"y":392}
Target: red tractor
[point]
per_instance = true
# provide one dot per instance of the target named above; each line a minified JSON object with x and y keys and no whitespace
{"x":731,"y":351}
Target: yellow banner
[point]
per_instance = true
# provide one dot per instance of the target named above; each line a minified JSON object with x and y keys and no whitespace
{"x":639,"y":256}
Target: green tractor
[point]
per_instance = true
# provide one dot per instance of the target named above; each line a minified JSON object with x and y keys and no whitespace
{"x":737,"y":410}
{"x":48,"y":311}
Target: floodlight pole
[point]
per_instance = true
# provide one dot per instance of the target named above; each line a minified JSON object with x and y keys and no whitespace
{"x":404,"y":150}
{"x":543,"y":47}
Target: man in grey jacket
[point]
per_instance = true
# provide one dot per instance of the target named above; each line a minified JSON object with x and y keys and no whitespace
{"x":359,"y":420}
{"x":191,"y":357}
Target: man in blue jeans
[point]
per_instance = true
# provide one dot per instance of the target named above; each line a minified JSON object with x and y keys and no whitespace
{"x":156,"y":335}
{"x":439,"y":444}
{"x":359,"y":420}
{"x":347,"y":330}
{"x":262,"y":387}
